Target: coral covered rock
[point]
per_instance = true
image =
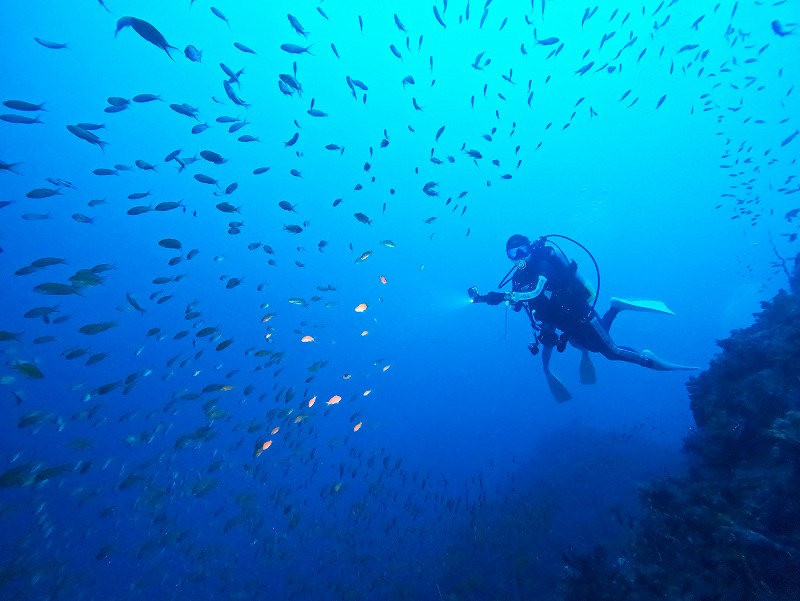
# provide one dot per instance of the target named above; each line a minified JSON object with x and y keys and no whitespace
{"x":730,"y":527}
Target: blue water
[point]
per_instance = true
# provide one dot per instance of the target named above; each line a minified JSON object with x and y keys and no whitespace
{"x":465,"y":479}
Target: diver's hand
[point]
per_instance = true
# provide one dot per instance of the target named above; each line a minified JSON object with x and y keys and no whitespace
{"x":494,"y":298}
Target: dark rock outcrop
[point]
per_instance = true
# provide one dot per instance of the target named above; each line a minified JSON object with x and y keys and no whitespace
{"x":729,"y":528}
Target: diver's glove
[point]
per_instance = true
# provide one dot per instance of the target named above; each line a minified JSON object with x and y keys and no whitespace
{"x":494,"y":298}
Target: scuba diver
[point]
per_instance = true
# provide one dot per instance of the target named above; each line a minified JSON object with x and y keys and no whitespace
{"x":547,"y":286}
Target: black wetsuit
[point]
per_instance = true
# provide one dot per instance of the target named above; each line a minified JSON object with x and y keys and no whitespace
{"x":565,"y":304}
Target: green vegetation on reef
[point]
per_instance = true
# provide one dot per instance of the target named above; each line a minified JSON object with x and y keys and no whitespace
{"x":729,"y":528}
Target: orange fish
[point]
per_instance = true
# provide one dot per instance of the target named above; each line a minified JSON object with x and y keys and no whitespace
{"x":299,"y":418}
{"x":311,"y":401}
{"x":361,"y":308}
{"x":334,"y":399}
{"x":357,"y":427}
{"x":366,"y":392}
{"x":307,"y":339}
{"x":385,"y":367}
{"x":364,"y":333}
{"x":268,"y":335}
{"x":266,"y":445}
{"x":275,"y":430}
{"x":383,"y":279}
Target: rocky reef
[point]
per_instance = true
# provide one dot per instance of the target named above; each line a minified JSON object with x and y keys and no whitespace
{"x":729,"y":527}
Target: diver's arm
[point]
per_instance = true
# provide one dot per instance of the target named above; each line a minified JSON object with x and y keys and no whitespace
{"x":490,"y":298}
{"x":517,"y":296}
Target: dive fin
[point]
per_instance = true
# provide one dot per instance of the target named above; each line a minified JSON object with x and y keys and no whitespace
{"x":558,"y":390}
{"x":647,"y":306}
{"x":659,"y":364}
{"x":588,"y":375}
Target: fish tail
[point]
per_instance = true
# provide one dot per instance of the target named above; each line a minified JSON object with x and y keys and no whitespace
{"x":121,"y":23}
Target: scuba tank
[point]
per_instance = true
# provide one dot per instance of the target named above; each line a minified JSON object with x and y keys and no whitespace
{"x":576,"y":287}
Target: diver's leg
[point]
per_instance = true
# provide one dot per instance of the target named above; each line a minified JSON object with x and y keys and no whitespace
{"x":611,"y":351}
{"x":548,"y":338}
{"x":547,"y":352}
{"x":608,"y":318}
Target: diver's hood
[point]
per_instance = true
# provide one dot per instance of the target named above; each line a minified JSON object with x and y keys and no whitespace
{"x":517,"y":240}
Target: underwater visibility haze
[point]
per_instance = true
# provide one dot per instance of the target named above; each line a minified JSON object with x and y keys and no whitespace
{"x":239,"y":360}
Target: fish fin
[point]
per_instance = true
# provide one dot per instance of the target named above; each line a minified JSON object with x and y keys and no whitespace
{"x":168,"y":48}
